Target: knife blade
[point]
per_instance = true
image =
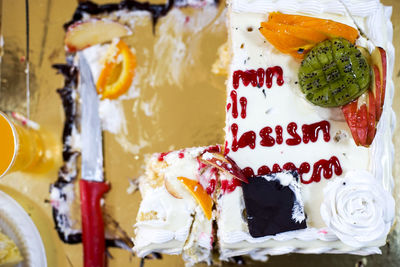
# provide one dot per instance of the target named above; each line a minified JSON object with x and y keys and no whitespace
{"x":92,"y":185}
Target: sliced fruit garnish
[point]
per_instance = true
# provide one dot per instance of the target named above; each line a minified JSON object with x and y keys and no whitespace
{"x":363,"y":114}
{"x":223,"y":163}
{"x":171,"y":189}
{"x":301,"y":33}
{"x":379,"y":61}
{"x":117,"y":75}
{"x":286,"y":43}
{"x":361,"y":118}
{"x":199,"y":194}
{"x":83,"y":34}
{"x":334,"y":73}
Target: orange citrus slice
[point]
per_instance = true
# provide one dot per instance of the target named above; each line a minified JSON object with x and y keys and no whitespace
{"x":199,"y":194}
{"x":308,"y":34}
{"x":116,"y":77}
{"x":296,"y":34}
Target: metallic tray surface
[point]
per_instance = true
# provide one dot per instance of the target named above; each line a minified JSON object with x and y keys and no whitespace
{"x":191,"y":114}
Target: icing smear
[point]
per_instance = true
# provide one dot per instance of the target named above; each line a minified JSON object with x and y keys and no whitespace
{"x":358,"y":209}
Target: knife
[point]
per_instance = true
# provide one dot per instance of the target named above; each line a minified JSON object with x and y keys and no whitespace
{"x":92,"y":185}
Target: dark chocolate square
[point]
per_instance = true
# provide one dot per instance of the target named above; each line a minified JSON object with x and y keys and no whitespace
{"x":270,"y":207}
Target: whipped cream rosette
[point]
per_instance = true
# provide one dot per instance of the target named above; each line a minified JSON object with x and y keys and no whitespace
{"x":358,"y":209}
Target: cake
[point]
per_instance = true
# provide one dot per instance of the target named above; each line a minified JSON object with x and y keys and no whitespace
{"x":316,"y":155}
{"x":306,"y":166}
{"x":9,"y":252}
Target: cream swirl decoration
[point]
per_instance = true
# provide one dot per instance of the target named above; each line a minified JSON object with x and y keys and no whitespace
{"x":358,"y":209}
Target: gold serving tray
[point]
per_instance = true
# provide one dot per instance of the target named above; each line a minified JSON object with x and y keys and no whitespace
{"x":187,"y":114}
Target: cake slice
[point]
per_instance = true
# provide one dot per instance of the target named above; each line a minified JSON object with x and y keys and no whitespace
{"x":9,"y":252}
{"x":175,"y":215}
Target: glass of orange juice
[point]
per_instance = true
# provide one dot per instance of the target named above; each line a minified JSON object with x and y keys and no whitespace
{"x":24,"y":149}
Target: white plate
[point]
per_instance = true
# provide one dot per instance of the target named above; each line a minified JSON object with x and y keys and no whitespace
{"x":16,"y":223}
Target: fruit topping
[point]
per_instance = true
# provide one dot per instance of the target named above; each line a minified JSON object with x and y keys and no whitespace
{"x":223,"y":163}
{"x":296,"y":35}
{"x":334,"y":73}
{"x":171,"y":189}
{"x":379,"y":63}
{"x":117,"y":74}
{"x":273,"y":204}
{"x":81,"y":35}
{"x":363,"y":114}
{"x":200,"y":195}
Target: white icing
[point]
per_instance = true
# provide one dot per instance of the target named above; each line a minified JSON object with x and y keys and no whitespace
{"x":179,"y":223}
{"x":374,"y":19}
{"x":358,"y":209}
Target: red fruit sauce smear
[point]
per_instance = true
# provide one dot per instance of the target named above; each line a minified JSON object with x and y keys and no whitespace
{"x":229,"y":186}
{"x":163,"y":155}
{"x":310,"y":133}
{"x":257,"y":77}
{"x":322,"y":167}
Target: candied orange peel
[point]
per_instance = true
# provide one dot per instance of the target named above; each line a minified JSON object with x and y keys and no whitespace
{"x":201,"y":196}
{"x":116,"y":77}
{"x":296,"y":34}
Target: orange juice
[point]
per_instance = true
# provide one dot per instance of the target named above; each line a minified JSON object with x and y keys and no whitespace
{"x":25,"y":149}
{"x":8,"y":145}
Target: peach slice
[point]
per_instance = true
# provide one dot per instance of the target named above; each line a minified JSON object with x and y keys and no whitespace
{"x":292,"y":33}
{"x":116,"y":78}
{"x":199,"y":194}
{"x":83,"y":34}
{"x":223,"y":163}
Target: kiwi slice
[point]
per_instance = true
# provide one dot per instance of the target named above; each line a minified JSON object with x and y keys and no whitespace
{"x":334,"y":73}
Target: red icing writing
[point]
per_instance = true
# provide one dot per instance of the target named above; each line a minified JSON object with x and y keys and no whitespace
{"x":243,"y":104}
{"x":270,"y":74}
{"x":321,"y":167}
{"x":248,"y":172}
{"x":266,"y":139}
{"x":278,"y":131}
{"x":325,"y":166}
{"x":247,"y":139}
{"x":256,"y":78}
{"x":311,"y":131}
{"x":292,"y":130}
{"x":234,"y":104}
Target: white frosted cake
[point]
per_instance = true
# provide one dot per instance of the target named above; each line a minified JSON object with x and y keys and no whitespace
{"x":271,"y":126}
{"x":307,"y":162}
{"x":170,"y":219}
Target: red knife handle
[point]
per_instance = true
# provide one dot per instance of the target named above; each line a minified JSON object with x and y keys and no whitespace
{"x":93,"y":239}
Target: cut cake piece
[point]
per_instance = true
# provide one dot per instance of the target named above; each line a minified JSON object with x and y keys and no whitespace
{"x":9,"y":252}
{"x":170,"y":219}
